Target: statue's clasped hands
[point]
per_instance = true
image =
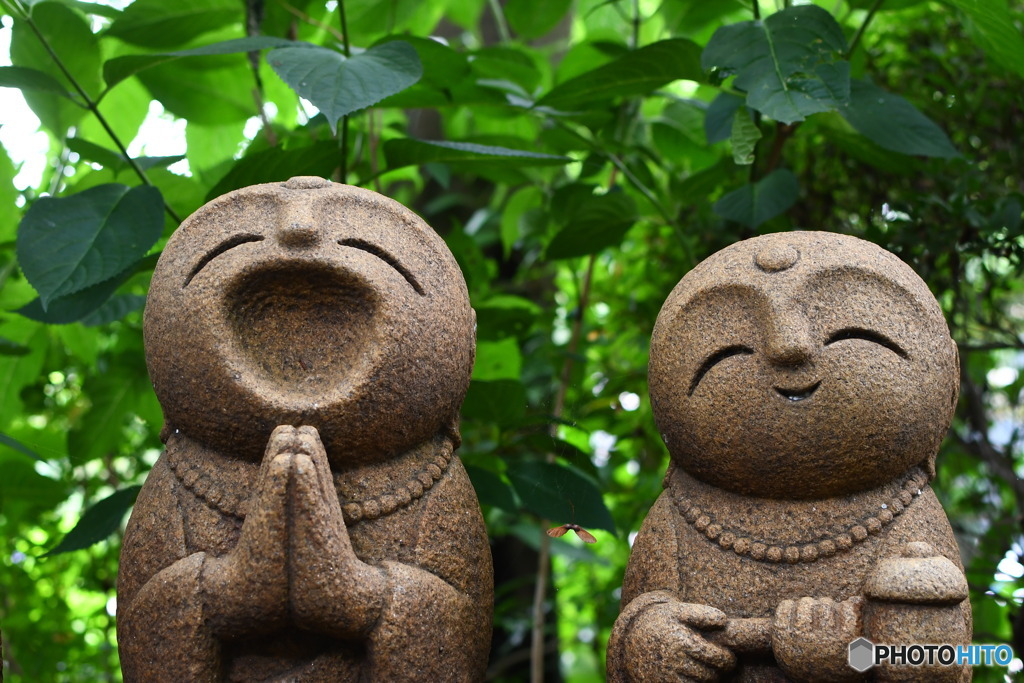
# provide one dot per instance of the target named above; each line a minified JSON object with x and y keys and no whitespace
{"x":294,"y":562}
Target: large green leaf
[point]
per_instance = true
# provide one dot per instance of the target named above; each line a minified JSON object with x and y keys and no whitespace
{"x":634,"y":73}
{"x":160,"y":24}
{"x":209,"y":90}
{"x":81,"y":305}
{"x":501,"y":402}
{"x":491,"y":489}
{"x":559,"y":493}
{"x":319,"y":159}
{"x":337,"y":85}
{"x":119,"y":68}
{"x":25,"y":78}
{"x":410,"y":152}
{"x":756,"y":203}
{"x":893,"y":123}
{"x":533,"y":18}
{"x":504,"y":316}
{"x":744,"y":137}
{"x":497,"y":360}
{"x":790,"y":65}
{"x":114,"y":308}
{"x":68,"y":35}
{"x":597,"y":223}
{"x":719,"y":119}
{"x":67,"y":244}
{"x":994,"y":29}
{"x":114,"y":395}
{"x":98,"y":522}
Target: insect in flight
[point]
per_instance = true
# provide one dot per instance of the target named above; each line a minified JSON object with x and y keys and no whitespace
{"x":584,"y":535}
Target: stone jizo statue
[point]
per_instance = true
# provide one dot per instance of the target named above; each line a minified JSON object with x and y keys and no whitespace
{"x":311,"y":344}
{"x":802,"y":383}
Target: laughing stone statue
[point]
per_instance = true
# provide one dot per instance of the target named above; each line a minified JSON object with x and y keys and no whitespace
{"x":802,"y":383}
{"x":311,"y":344}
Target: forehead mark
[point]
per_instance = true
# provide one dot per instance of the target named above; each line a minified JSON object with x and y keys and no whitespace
{"x":776,"y":258}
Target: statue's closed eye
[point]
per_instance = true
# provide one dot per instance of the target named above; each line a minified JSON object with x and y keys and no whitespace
{"x":386,"y":258}
{"x":867,"y":335}
{"x":714,"y":359}
{"x":229,"y":243}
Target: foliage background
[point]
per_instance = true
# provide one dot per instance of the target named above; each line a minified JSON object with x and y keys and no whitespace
{"x":594,"y":165}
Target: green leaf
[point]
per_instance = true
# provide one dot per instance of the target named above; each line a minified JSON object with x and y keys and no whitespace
{"x":337,"y":85}
{"x":210,"y":90}
{"x":115,"y":308}
{"x":114,"y":397}
{"x":98,"y":522}
{"x":520,"y":217}
{"x":893,"y":123}
{"x":744,"y":137}
{"x":501,"y":402}
{"x":994,"y":28}
{"x":160,"y":24}
{"x":89,"y":151}
{"x":790,"y":65}
{"x":635,"y":73}
{"x":442,"y":66}
{"x":411,"y":152}
{"x":504,"y":316}
{"x":497,"y":360}
{"x":22,"y":485}
{"x":559,"y":493}
{"x":14,"y":444}
{"x":24,"y":78}
{"x":17,"y":372}
{"x":491,"y":489}
{"x":754,"y":204}
{"x":69,"y":36}
{"x":9,"y":348}
{"x":274,"y":164}
{"x":74,"y":307}
{"x":119,"y":68}
{"x":67,"y":244}
{"x":533,"y":18}
{"x":599,"y":222}
{"x":719,"y":120}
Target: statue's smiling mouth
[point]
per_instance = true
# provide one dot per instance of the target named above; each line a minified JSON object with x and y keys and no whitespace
{"x":798,"y":394}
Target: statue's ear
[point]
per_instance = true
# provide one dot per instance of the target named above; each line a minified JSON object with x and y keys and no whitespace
{"x":451,"y":430}
{"x":955,"y":392}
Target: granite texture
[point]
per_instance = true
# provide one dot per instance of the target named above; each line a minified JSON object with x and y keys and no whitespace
{"x":802,"y":382}
{"x":311,"y":344}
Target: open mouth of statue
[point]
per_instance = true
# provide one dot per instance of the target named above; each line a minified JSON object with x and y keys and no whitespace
{"x":301,"y":326}
{"x":798,"y":394}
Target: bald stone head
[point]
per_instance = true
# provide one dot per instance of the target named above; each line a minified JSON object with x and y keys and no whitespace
{"x":802,"y":365}
{"x":309,"y":303}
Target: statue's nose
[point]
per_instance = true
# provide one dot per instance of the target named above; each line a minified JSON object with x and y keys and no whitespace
{"x":788,"y":341}
{"x":297,"y":235}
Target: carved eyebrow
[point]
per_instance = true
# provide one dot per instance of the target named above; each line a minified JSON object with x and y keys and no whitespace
{"x":714,"y":359}
{"x":867,"y":335}
{"x":386,"y":258}
{"x":229,"y":243}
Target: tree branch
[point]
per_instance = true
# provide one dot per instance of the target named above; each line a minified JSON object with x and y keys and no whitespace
{"x":855,"y":41}
{"x":94,"y":108}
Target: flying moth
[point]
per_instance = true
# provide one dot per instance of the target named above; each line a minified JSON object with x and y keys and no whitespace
{"x":584,"y":535}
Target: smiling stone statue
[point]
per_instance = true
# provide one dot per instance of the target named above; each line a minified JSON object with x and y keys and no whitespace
{"x":311,"y":344}
{"x":802,"y":383}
